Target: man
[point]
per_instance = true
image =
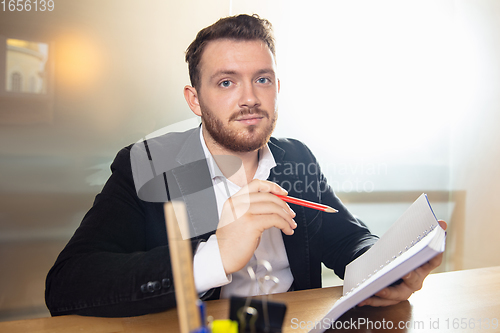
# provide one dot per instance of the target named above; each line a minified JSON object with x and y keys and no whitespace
{"x":117,"y":263}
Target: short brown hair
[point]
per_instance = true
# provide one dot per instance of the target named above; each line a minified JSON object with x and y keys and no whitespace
{"x":240,"y":27}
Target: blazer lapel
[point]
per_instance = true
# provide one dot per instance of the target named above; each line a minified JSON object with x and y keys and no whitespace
{"x":194,"y":184}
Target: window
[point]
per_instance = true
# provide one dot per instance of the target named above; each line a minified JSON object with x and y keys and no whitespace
{"x":26,"y":94}
{"x":32,"y":85}
{"x":26,"y":59}
{"x":16,"y":82}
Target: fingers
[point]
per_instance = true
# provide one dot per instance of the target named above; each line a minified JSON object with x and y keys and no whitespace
{"x":259,"y":202}
{"x":395,"y":294}
{"x":401,"y":291}
{"x":412,"y":282}
{"x":257,"y":189}
{"x":443,"y":224}
{"x":245,"y":216}
{"x":377,"y":301}
{"x":262,"y":197}
{"x":431,"y":264}
{"x":268,"y":214}
{"x":264,"y":222}
{"x":257,"y":185}
{"x":389,"y":296}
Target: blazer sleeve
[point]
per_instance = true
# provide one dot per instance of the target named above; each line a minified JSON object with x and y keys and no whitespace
{"x":117,"y":263}
{"x":343,"y":236}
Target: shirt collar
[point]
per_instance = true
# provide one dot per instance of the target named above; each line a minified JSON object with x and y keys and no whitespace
{"x":266,"y":161}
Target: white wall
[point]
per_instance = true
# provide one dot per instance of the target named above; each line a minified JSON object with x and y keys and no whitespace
{"x":476,"y":135}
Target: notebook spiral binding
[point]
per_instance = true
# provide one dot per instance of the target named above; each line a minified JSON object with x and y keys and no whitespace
{"x":413,"y":242}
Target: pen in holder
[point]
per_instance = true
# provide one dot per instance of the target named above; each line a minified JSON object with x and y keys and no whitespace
{"x":258,"y":315}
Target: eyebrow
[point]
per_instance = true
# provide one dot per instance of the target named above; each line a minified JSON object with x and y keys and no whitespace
{"x":231,"y":72}
{"x":266,"y":71}
{"x":221,"y":73}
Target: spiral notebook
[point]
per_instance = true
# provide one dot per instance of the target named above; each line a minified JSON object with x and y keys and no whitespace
{"x":411,"y":241}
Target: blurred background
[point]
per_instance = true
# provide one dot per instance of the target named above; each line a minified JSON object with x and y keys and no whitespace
{"x":407,"y":92}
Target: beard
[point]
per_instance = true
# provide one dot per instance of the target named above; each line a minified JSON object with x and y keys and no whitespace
{"x":244,"y":140}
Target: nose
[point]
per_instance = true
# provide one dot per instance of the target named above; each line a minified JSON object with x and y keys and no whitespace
{"x":249,"y":98}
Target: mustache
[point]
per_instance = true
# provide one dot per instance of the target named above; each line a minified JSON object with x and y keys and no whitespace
{"x":252,"y":111}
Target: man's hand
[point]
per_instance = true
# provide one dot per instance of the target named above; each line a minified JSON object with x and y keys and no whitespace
{"x":411,"y":283}
{"x":244,"y":218}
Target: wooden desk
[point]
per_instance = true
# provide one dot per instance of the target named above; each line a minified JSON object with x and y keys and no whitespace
{"x":446,"y":302}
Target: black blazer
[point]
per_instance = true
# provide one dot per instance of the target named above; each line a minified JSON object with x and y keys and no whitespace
{"x":117,"y":262}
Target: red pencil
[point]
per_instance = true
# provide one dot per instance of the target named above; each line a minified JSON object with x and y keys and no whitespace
{"x":308,"y":204}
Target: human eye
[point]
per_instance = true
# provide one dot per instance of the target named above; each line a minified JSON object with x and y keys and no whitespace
{"x":263,"y":80}
{"x":225,"y":83}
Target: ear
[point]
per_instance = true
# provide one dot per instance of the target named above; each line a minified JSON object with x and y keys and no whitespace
{"x":191,"y":96}
{"x":278,"y":86}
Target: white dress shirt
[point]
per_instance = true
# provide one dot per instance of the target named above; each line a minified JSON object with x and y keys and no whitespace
{"x":207,"y":264}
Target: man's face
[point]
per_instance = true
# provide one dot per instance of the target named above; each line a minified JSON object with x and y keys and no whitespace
{"x":238,"y":93}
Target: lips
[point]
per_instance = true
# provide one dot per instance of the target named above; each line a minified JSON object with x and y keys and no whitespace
{"x":249,"y":114}
{"x":250,"y":117}
{"x":246,"y":116}
{"x":250,"y":120}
